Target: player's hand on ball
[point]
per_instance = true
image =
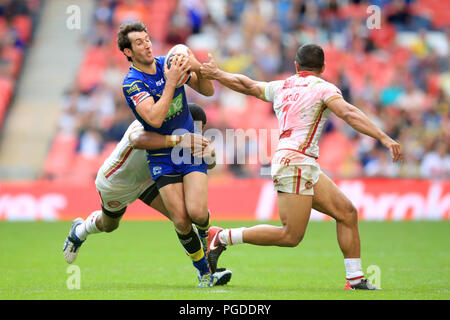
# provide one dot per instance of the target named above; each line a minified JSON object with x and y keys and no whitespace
{"x":180,"y":64}
{"x":394,"y":149}
{"x":194,"y":141}
{"x":195,"y":64}
{"x":208,"y":70}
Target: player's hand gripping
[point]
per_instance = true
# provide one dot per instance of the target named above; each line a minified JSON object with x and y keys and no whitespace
{"x":209,"y":70}
{"x":193,"y":141}
{"x":195,"y":64}
{"x":394,"y":148}
{"x":179,"y":65}
{"x":207,"y":152}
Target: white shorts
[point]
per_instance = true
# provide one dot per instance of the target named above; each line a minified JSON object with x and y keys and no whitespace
{"x":293,"y":172}
{"x":115,"y":198}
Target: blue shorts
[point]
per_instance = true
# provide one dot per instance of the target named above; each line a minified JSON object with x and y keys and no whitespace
{"x":163,"y":165}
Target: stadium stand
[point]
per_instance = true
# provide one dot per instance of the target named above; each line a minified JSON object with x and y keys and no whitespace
{"x":397,"y":74}
{"x":16,"y":26}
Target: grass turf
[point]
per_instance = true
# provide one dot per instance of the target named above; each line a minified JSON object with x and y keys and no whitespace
{"x":144,"y":260}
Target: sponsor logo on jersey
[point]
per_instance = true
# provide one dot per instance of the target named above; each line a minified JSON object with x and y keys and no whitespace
{"x":138,"y":97}
{"x":308,"y":185}
{"x":133,"y":89}
{"x":157,"y":170}
{"x":176,"y":106}
{"x":160,"y":82}
{"x":114,"y":204}
{"x":276,"y":180}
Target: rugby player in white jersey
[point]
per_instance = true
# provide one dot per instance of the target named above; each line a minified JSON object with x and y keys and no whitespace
{"x":302,"y":103}
{"x":124,"y":177}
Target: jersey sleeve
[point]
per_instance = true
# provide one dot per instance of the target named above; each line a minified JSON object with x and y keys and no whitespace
{"x":271,"y":88}
{"x":329,"y":92}
{"x":135,"y":91}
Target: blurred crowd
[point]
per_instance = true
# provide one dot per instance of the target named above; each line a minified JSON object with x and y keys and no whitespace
{"x":397,"y":74}
{"x":17,"y":18}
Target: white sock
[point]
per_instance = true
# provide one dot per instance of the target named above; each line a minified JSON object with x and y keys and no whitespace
{"x":231,"y":236}
{"x":353,"y":270}
{"x":88,"y":226}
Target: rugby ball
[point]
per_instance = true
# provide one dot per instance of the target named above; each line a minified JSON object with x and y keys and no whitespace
{"x":177,"y":49}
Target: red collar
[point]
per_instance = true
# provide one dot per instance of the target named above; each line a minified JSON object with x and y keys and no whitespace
{"x":305,"y":74}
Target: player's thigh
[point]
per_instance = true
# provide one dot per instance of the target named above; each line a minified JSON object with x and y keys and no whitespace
{"x":330,"y":200}
{"x":152,"y":198}
{"x":114,"y":205}
{"x":294,"y":210}
{"x":172,"y":196}
{"x":195,"y":185}
{"x":159,"y":206}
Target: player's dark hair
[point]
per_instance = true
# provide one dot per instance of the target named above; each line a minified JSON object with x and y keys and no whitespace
{"x":123,"y":41}
{"x":197,"y":112}
{"x":310,"y":57}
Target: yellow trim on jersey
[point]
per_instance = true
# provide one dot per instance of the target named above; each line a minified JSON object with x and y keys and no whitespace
{"x":129,"y":85}
{"x":136,"y":68}
{"x":159,"y":154}
{"x":264,"y":91}
{"x":332,"y":98}
{"x":117,"y":162}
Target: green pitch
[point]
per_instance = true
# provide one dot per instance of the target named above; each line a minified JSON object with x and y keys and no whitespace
{"x":144,"y":260}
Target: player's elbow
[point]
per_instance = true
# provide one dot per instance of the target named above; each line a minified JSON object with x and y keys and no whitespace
{"x":209,"y":92}
{"x":155,"y":123}
{"x":136,"y":140}
{"x":136,"y":143}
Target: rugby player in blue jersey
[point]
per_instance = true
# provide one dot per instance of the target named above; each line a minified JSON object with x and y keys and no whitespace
{"x":151,"y":93}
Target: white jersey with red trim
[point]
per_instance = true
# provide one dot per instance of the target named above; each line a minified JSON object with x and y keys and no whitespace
{"x":126,"y":168}
{"x":300,"y":106}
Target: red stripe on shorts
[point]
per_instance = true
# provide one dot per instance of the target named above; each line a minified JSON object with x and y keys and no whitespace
{"x":120,"y":164}
{"x":299,"y":176}
{"x":355,"y":278}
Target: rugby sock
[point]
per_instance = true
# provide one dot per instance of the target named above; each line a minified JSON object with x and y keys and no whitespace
{"x":191,"y":243}
{"x":353,"y":270}
{"x":231,"y":236}
{"x":88,"y":226}
{"x":203,"y":228}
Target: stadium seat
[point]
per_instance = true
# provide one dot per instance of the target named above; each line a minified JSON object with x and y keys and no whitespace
{"x":335,"y":147}
{"x":6,"y":91}
{"x":60,"y":156}
{"x":15,"y":56}
{"x":92,"y":67}
{"x":23,"y":25}
{"x":439,"y":11}
{"x":83,"y":168}
{"x":352,"y":10}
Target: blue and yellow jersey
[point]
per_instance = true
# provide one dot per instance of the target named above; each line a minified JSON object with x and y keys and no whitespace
{"x":139,"y":85}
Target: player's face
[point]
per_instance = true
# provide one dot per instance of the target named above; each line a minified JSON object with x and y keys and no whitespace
{"x":141,"y":47}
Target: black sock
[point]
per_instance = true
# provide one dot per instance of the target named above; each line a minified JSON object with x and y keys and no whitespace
{"x":203,"y":228}
{"x":190,"y":242}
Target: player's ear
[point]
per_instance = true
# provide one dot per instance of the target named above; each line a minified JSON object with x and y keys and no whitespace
{"x":323,"y":68}
{"x":128,"y":52}
{"x":297,"y":67}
